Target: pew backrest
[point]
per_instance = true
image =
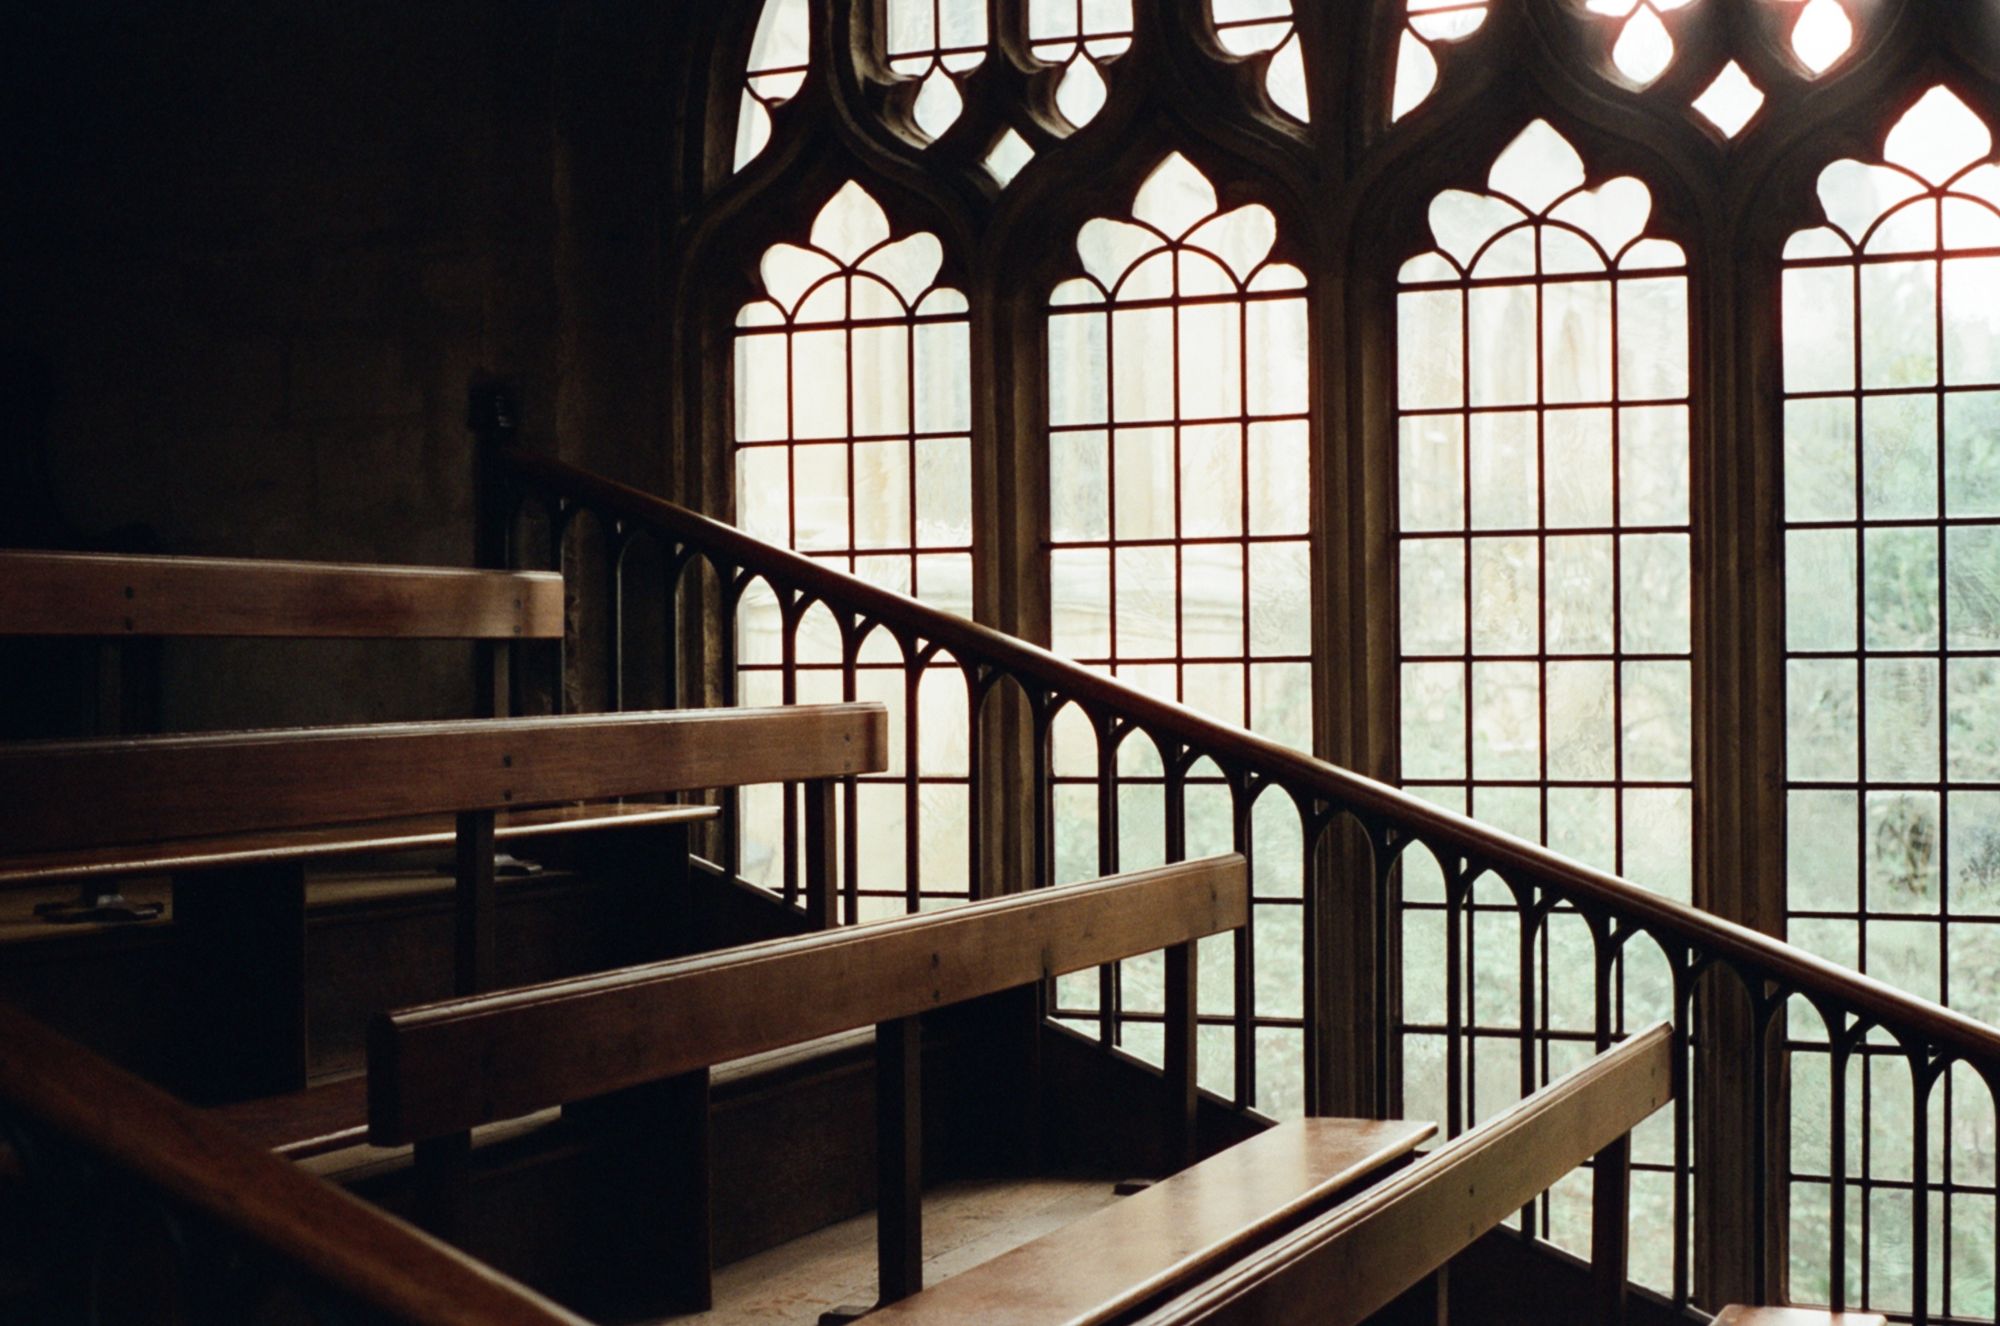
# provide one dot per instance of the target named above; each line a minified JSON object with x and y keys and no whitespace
{"x":1340,"y":1268}
{"x":446,"y":1067}
{"x":76,"y":795}
{"x":117,"y":595}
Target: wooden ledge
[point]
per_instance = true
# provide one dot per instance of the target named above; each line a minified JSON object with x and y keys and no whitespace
{"x":194,"y":854}
{"x":1736,"y":1315}
{"x":117,"y":595}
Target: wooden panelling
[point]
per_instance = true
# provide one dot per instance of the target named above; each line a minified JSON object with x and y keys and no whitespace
{"x":58,"y":795}
{"x":104,"y":594}
{"x":1171,"y":1233}
{"x":201,"y":1163}
{"x":460,"y":1063}
{"x":1337,"y":1269}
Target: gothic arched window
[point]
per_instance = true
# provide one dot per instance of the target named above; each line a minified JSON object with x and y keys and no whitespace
{"x":1532,"y":404}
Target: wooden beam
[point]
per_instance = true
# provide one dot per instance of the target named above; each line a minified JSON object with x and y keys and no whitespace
{"x":1341,"y":1267}
{"x":105,"y":594}
{"x":456,"y":1064}
{"x":264,"y":1202}
{"x":58,"y":795}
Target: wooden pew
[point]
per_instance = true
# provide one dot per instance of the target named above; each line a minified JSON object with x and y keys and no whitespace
{"x":649,"y":1034}
{"x":345,"y":1252}
{"x":183,"y":797}
{"x":1339,"y":1268}
{"x":1172,"y":1233}
{"x":122,"y":598}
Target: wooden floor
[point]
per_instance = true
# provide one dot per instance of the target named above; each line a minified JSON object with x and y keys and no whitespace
{"x":964,"y":1224}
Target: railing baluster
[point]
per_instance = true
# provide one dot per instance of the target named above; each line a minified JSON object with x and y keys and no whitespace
{"x":792,"y":609}
{"x":914,"y":660}
{"x":1244,"y":1029}
{"x":852,"y":634}
{"x":734,"y":583}
{"x":1182,"y":1020}
{"x":1685,"y":974}
{"x":1922,"y":1081}
{"x":671,"y":643}
{"x":1765,"y":1011}
{"x":1525,"y":913}
{"x":976,"y":692}
{"x":1042,"y":706}
{"x":1109,"y":737}
{"x":618,"y":544}
{"x":1840,"y":1045}
{"x":1457,"y":887}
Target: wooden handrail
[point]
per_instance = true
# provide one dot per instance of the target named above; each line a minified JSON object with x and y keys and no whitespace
{"x":1374,"y":802}
{"x":63,"y":795}
{"x":1340,"y":1268}
{"x":109,"y":594}
{"x":444,"y":1067}
{"x":202,"y":1165}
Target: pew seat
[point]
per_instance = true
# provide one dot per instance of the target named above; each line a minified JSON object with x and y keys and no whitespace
{"x":1172,"y":1232}
{"x":1737,"y":1315}
{"x":189,"y":855}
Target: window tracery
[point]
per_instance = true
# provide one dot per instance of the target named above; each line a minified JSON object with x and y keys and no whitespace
{"x":1565,"y":317}
{"x":936,"y":42}
{"x":1891,"y":330}
{"x":1081,"y":37}
{"x":1179,"y":529}
{"x":1546,"y":585}
{"x":852,"y":445}
{"x":1252,"y":27}
{"x":780,"y":55}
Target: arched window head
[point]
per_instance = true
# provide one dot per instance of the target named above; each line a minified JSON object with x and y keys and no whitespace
{"x":1545,"y":579}
{"x":1250,"y":27}
{"x":936,"y":42}
{"x":853,"y":445}
{"x":1890,"y":323}
{"x":1179,"y":485}
{"x":1081,"y":36}
{"x":780,"y":54}
{"x":1431,"y":23}
{"x":852,"y":405}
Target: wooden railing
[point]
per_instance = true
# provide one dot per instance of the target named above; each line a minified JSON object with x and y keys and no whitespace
{"x":95,"y":1151}
{"x":1313,"y":832}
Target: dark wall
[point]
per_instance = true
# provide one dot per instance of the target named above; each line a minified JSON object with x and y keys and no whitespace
{"x":253,"y":253}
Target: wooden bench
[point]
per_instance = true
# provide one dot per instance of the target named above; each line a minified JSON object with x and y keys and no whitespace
{"x":643,"y":1040}
{"x":1171,"y":1233}
{"x":121,"y":598}
{"x":284,"y":796}
{"x":173,"y":1159}
{"x":1339,"y":1268}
